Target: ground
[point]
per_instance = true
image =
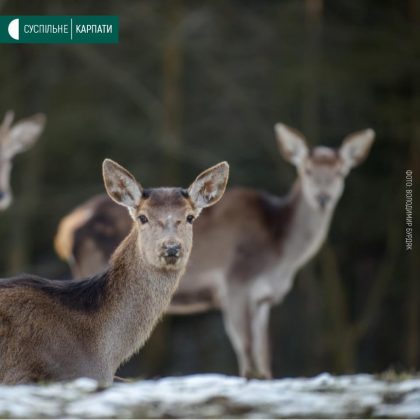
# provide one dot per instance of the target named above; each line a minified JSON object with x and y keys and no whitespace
{"x":218,"y":396}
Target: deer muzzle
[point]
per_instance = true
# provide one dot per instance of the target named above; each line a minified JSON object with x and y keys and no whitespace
{"x":323,"y":199}
{"x":171,"y":252}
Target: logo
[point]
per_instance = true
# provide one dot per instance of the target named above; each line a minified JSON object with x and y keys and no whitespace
{"x":59,"y":29}
{"x":14,"y":29}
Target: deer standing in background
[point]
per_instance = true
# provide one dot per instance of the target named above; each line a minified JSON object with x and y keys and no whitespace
{"x":13,"y":140}
{"x":55,"y":330}
{"x":247,"y":249}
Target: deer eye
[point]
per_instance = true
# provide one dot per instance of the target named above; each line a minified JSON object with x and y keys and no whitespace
{"x":143,"y":219}
{"x":190,"y":218}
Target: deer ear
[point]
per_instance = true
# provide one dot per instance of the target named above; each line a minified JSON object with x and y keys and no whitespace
{"x":291,"y":143}
{"x":7,"y":120}
{"x":23,"y":134}
{"x":120,"y":185}
{"x":210,"y":185}
{"x":355,"y":147}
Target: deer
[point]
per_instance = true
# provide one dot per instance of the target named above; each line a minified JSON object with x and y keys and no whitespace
{"x":68,"y":329}
{"x":15,"y":139}
{"x":248,"y":249}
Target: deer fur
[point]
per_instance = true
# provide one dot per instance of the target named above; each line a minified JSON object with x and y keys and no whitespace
{"x":14,"y":139}
{"x":53,"y":330}
{"x":248,"y":248}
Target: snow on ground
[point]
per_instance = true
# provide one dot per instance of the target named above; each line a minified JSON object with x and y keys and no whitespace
{"x":218,"y":396}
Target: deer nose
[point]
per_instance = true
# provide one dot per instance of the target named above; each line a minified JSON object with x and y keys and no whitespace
{"x":2,"y":195}
{"x":172,"y":249}
{"x":323,"y":199}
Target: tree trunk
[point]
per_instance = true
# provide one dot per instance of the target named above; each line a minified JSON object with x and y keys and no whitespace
{"x":172,"y":95}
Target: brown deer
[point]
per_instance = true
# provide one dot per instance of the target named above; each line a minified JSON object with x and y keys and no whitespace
{"x":247,"y":249}
{"x":15,"y":139}
{"x":59,"y":330}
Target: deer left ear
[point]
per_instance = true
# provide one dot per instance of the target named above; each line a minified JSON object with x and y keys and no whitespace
{"x":24,"y":134}
{"x":355,"y":147}
{"x":209,"y":186}
{"x":292,"y":144}
{"x":121,"y":185}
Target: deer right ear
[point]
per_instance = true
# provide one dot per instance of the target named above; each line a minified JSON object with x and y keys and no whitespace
{"x":291,"y":143}
{"x":23,"y":134}
{"x":355,"y":147}
{"x":120,"y":185}
{"x":7,"y":120}
{"x":209,"y":187}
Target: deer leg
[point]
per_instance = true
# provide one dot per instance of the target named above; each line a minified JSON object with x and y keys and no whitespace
{"x":236,"y":319}
{"x":260,"y":340}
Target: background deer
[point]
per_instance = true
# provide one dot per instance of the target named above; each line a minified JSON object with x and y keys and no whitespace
{"x":55,"y":330}
{"x":15,"y":139}
{"x":247,"y":250}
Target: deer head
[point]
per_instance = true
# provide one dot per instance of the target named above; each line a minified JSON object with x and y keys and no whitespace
{"x":164,"y":216}
{"x":15,"y":139}
{"x":322,"y":170}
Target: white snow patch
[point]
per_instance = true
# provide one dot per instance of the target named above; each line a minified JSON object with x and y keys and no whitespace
{"x":210,"y":396}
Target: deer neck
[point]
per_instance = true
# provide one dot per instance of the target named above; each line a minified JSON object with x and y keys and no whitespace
{"x":307,"y":229}
{"x":136,"y":297}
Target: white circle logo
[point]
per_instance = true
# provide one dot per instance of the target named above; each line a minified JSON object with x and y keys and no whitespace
{"x":14,"y":29}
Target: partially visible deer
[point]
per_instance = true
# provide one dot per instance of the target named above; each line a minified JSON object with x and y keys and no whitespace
{"x":15,"y":139}
{"x":55,"y":330}
{"x":247,"y":250}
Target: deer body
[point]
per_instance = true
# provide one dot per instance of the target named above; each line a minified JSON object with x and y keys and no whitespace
{"x":269,"y":240}
{"x":248,"y":248}
{"x":64,"y":330}
{"x":97,"y":339}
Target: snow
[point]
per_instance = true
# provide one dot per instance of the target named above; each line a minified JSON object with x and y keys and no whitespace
{"x":218,"y":396}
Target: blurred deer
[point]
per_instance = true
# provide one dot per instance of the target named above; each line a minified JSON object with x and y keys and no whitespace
{"x":247,"y":250}
{"x":15,"y":139}
{"x":55,"y":330}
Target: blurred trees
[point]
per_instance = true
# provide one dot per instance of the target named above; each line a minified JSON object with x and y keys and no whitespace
{"x":195,"y":82}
